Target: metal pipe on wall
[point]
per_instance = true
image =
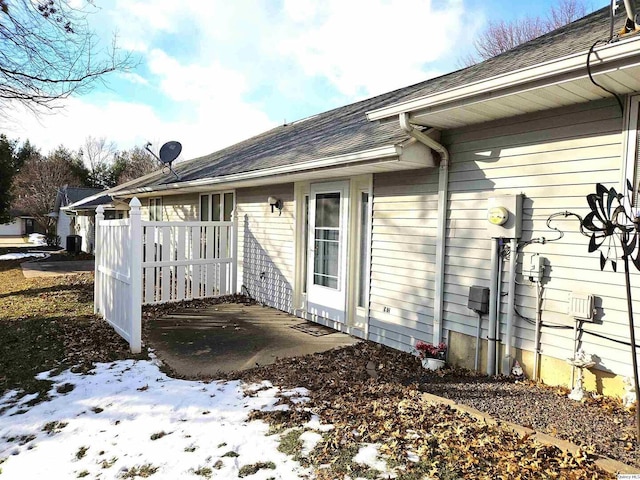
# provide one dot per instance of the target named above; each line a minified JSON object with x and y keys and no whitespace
{"x":511,"y":305}
{"x":496,"y":332}
{"x":493,"y":304}
{"x":476,"y":363}
{"x":536,"y":358}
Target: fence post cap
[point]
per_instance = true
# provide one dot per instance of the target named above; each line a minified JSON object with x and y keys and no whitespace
{"x":135,"y":202}
{"x":100,"y":209}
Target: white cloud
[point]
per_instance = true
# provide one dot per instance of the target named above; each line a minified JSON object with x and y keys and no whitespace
{"x":372,"y":47}
{"x":208,"y":69}
{"x":128,"y":124}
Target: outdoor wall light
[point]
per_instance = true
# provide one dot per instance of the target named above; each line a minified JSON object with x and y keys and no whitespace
{"x":275,"y":202}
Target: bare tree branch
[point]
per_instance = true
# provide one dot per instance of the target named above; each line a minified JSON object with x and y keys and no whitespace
{"x":500,"y":36}
{"x":48,"y":52}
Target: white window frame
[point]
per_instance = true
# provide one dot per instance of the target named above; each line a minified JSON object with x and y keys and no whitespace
{"x":222,"y":205}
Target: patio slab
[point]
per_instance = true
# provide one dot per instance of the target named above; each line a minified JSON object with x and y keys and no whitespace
{"x":231,"y":337}
{"x":54,"y":269}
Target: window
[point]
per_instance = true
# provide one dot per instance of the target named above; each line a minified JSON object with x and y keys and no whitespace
{"x":363,"y":243}
{"x":215,"y":207}
{"x":155,"y":209}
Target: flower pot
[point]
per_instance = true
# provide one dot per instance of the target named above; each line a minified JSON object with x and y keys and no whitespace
{"x":432,"y":363}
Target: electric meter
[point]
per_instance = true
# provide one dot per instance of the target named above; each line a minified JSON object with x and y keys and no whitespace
{"x":504,"y":216}
{"x":498,"y":215}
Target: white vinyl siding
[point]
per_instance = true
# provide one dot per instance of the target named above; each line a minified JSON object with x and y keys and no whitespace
{"x":555,"y":158}
{"x":405,"y":214}
{"x":266,"y":245}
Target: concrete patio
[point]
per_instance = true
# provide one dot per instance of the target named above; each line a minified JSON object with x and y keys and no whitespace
{"x":230,"y":337}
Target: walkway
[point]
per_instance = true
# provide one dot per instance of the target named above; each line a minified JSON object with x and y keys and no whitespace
{"x":229,"y":337}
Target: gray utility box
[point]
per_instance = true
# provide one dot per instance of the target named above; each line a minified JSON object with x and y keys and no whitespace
{"x":478,"y":299}
{"x":504,"y":216}
{"x":74,"y":243}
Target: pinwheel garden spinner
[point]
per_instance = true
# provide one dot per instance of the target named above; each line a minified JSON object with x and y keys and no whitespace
{"x":610,"y":220}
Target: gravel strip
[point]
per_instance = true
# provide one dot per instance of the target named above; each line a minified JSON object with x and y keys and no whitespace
{"x":601,"y":422}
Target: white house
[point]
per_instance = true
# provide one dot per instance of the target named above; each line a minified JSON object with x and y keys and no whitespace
{"x":373,"y":218}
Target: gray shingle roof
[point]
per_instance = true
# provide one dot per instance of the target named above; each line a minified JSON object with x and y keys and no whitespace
{"x":67,"y":195}
{"x":346,"y":129}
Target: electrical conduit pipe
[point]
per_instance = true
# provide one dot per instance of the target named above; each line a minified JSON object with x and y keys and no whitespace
{"x":511,"y":305}
{"x":443,"y":184}
{"x":493,"y":309}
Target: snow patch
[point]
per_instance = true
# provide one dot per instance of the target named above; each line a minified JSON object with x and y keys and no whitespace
{"x":21,"y":255}
{"x":37,"y":239}
{"x":309,"y":441}
{"x":314,"y":424}
{"x":114,"y":413}
{"x":368,"y":455}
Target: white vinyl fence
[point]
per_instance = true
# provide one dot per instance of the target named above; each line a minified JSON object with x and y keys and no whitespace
{"x":139,"y":262}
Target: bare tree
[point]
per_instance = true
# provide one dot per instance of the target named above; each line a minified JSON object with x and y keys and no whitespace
{"x":36,"y":186}
{"x":98,"y":156}
{"x":48,"y":52}
{"x":500,"y":36}
{"x":132,"y":164}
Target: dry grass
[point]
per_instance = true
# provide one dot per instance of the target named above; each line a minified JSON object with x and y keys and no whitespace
{"x":48,"y":323}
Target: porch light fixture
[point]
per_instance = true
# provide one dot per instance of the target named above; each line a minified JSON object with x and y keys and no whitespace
{"x":275,"y":203}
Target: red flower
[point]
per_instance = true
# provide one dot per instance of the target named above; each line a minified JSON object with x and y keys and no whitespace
{"x":426,"y":350}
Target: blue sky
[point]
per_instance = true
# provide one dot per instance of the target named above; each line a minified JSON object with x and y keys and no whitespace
{"x":212,"y":73}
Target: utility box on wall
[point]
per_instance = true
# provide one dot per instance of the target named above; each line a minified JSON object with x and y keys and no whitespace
{"x":504,"y":216}
{"x":478,"y":299}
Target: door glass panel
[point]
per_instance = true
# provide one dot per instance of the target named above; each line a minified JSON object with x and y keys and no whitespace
{"x":306,"y":243}
{"x":328,"y":210}
{"x":327,"y":240}
{"x":364,"y":231}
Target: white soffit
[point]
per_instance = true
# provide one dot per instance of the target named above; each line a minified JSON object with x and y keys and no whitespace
{"x":550,"y":85}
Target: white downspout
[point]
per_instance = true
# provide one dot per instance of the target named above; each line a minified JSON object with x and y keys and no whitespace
{"x":443,"y":183}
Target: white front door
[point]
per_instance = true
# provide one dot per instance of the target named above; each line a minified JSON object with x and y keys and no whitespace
{"x":327,"y":267}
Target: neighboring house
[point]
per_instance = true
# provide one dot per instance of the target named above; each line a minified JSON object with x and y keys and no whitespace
{"x":382,"y":227}
{"x":83,"y":213}
{"x":65,"y":223}
{"x":20,"y":225}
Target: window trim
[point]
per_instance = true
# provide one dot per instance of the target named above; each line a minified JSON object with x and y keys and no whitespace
{"x":157,"y":203}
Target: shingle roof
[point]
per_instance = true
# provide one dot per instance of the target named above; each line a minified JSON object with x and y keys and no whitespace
{"x":346,"y":129}
{"x":68,"y":195}
{"x":92,"y":203}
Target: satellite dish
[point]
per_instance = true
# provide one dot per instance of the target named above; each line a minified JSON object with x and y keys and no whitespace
{"x":170,"y":151}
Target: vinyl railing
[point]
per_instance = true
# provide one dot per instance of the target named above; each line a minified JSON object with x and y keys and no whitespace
{"x":140,"y":262}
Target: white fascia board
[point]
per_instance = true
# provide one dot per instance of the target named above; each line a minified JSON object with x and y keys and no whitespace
{"x":624,"y":49}
{"x":388,"y":151}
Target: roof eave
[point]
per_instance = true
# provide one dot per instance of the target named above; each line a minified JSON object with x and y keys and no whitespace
{"x":625,"y":52}
{"x":244,"y":178}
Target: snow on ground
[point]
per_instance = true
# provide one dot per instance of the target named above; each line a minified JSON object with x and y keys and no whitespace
{"x":309,"y":441}
{"x":21,"y":255}
{"x":368,"y":455}
{"x":129,"y":414}
{"x":37,"y":239}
